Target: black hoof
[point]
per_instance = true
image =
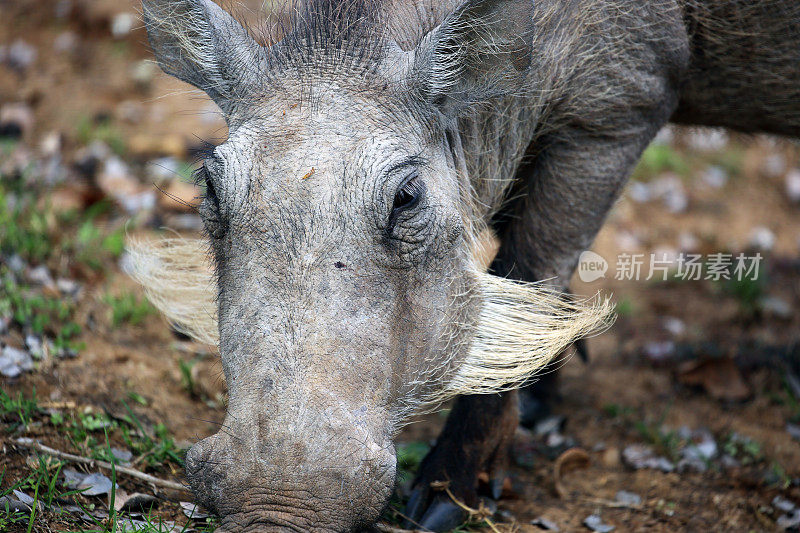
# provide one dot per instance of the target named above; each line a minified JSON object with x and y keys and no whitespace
{"x":438,"y":514}
{"x":415,"y":508}
{"x":443,"y":515}
{"x":496,"y":486}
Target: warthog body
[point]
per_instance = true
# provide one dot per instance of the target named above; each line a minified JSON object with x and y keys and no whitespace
{"x":368,"y":149}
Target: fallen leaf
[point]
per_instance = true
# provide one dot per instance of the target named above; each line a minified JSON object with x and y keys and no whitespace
{"x":14,"y":362}
{"x":166,"y":526}
{"x":544,"y":523}
{"x":72,"y":196}
{"x":90,"y":484}
{"x":124,"y":456}
{"x":551,"y":424}
{"x":134,"y":503}
{"x":789,"y":520}
{"x":628,"y":498}
{"x":24,"y":498}
{"x":192,"y":510}
{"x":14,"y":505}
{"x":720,"y":377}
{"x":638,"y":456}
{"x":782,"y":504}
{"x":610,"y":457}
{"x":699,"y":450}
{"x":116,"y":179}
{"x":309,"y":173}
{"x":595,"y":523}
{"x":572,"y":459}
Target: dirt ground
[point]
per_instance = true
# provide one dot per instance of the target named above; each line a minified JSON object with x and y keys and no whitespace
{"x":688,"y":366}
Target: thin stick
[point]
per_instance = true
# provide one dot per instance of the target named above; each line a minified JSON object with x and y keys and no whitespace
{"x":386,"y":528}
{"x":480,"y":513}
{"x":142,"y":458}
{"x":613,"y":504}
{"x":30,"y":443}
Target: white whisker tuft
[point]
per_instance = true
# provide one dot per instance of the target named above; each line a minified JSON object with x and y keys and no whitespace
{"x":178,"y":280}
{"x":521,"y":328}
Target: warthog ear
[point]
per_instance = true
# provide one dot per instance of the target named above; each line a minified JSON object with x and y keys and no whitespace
{"x":198,"y":42}
{"x":482,"y":49}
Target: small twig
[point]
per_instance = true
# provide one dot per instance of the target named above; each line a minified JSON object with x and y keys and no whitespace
{"x":613,"y":504}
{"x":58,"y":405}
{"x":481,"y":513}
{"x":142,"y":458}
{"x":386,"y":528}
{"x":30,"y":443}
{"x":408,"y":519}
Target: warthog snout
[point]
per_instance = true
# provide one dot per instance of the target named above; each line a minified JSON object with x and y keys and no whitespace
{"x":282,"y":481}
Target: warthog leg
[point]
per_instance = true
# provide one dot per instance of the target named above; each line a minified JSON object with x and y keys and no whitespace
{"x":475,"y":439}
{"x":564,"y":192}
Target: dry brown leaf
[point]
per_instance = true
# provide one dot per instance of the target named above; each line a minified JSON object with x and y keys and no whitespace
{"x":114,"y":185}
{"x":72,"y":196}
{"x":572,"y":459}
{"x":136,"y":502}
{"x":719,"y":377}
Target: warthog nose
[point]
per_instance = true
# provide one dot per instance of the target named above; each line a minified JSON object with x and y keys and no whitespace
{"x":289,"y":484}
{"x":206,"y":468}
{"x":199,"y":454}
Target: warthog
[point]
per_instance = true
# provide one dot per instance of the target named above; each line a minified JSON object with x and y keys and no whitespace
{"x":368,"y":149}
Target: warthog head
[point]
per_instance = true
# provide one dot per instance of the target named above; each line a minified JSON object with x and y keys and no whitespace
{"x":342,"y":230}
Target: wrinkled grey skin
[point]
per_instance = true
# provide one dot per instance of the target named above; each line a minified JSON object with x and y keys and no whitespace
{"x":337,"y":311}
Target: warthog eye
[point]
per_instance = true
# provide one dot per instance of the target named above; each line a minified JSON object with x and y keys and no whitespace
{"x":407,"y":197}
{"x":209,"y":208}
{"x":409,"y":194}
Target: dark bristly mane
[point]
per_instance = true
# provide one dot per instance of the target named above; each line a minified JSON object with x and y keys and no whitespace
{"x":347,"y":37}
